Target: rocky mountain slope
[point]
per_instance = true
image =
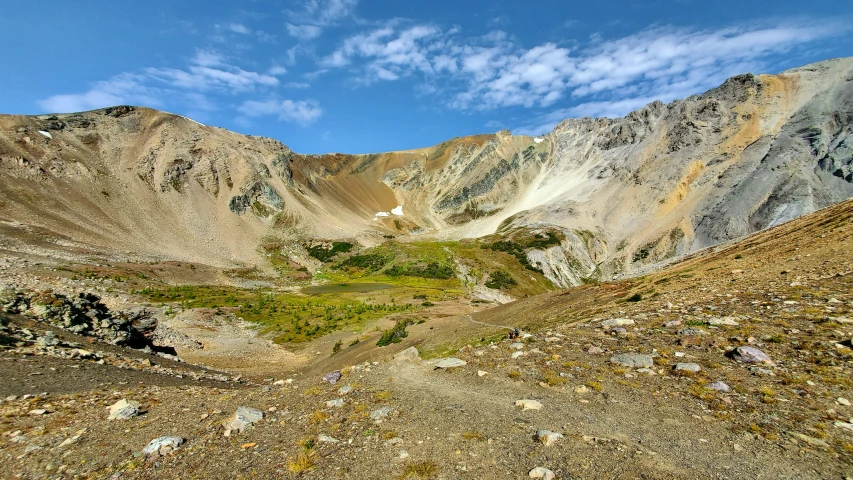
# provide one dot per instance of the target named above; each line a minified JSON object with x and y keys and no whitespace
{"x":665,"y":180}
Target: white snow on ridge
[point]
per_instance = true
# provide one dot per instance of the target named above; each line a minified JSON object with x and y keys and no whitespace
{"x":538,"y":140}
{"x":382,"y":214}
{"x":398,"y":210}
{"x":46,"y":134}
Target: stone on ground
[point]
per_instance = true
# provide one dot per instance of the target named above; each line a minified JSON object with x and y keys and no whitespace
{"x":409,"y":355}
{"x":528,"y":404}
{"x":633,"y":360}
{"x":617,"y":322}
{"x":380,"y":413}
{"x":724,"y":321}
{"x":687,"y":367}
{"x":162,"y":443}
{"x":719,"y":386}
{"x":451,"y":362}
{"x":548,"y":437}
{"x":748,"y":354}
{"x":541,"y":472}
{"x":123,"y":409}
{"x":332,"y":377}
{"x":338,"y":402}
{"x":243,"y":418}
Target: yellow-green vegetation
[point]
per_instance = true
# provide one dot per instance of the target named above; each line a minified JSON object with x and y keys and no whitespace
{"x":288,"y":317}
{"x":303,"y":461}
{"x":424,"y":469}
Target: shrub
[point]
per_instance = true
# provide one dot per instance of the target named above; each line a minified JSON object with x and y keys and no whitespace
{"x":324,"y":253}
{"x":394,"y":334}
{"x":500,"y":279}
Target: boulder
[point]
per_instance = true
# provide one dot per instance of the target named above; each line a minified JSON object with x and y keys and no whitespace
{"x":528,"y":404}
{"x":617,"y":322}
{"x":541,"y":472}
{"x":243,"y":418}
{"x":162,"y":445}
{"x":548,"y":437}
{"x":687,"y":367}
{"x":332,"y":377}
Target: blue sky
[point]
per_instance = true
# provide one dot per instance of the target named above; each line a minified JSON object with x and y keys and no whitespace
{"x":361,"y":76}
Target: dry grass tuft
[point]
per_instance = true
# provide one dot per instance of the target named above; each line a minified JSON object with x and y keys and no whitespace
{"x":423,"y":469}
{"x":303,"y":461}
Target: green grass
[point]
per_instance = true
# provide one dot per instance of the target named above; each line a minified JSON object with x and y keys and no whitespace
{"x":289,"y":318}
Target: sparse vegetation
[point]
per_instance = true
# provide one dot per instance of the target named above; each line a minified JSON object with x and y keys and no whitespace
{"x":394,"y":334}
{"x":500,"y":279}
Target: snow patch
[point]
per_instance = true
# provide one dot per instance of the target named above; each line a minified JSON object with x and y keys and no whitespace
{"x":382,"y":214}
{"x":398,"y":210}
{"x":538,"y":140}
{"x":46,"y":134}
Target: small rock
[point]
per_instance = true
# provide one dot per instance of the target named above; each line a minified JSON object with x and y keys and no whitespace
{"x":687,"y":367}
{"x":158,"y":443}
{"x":843,"y":401}
{"x":403,"y":455}
{"x":548,"y":437}
{"x":451,"y":362}
{"x":647,"y":371}
{"x":327,"y":439}
{"x":332,"y":377}
{"x":593,"y":350}
{"x":345,"y":390}
{"x":123,"y":409}
{"x":810,"y":440}
{"x":278,"y":383}
{"x":380,"y":413}
{"x":672,"y":323}
{"x":582,"y":389}
{"x":719,"y":386}
{"x":482,"y":373}
{"x":617,"y":322}
{"x":516,"y":346}
{"x":633,"y":360}
{"x":724,"y":321}
{"x":528,"y":404}
{"x":248,"y":445}
{"x":541,"y":472}
{"x":243,"y":418}
{"x":840,"y":424}
{"x":338,"y":402}
{"x":409,"y":355}
{"x":36,"y":412}
{"x":750,"y":355}
{"x":516,"y":354}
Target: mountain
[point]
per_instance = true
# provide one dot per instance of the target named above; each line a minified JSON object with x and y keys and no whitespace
{"x":621,"y":194}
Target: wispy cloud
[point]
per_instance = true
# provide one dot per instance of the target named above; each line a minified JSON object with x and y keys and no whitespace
{"x":302,"y":112}
{"x":608,"y":78}
{"x":239,"y":28}
{"x":316,"y":15}
{"x":208,"y":72}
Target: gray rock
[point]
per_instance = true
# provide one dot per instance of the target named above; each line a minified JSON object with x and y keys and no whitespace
{"x":593,"y":350}
{"x":332,"y":377}
{"x":244,"y":418}
{"x":338,"y":402}
{"x":691,"y":331}
{"x":327,"y":439}
{"x":672,"y":323}
{"x":155,"y":445}
{"x":409,"y":355}
{"x":633,"y":360}
{"x":548,"y":437}
{"x":380,"y":413}
{"x":541,"y":472}
{"x":687,"y":367}
{"x":345,"y":390}
{"x":617,"y":322}
{"x":748,"y":354}
{"x":451,"y":362}
{"x":123,"y":409}
{"x":719,"y":386}
{"x":723,"y":321}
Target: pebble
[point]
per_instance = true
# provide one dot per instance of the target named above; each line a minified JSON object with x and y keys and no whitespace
{"x":517,"y":354}
{"x":516,"y":346}
{"x":633,"y":360}
{"x":724,"y":321}
{"x":843,"y":401}
{"x":582,"y":389}
{"x":593,"y":350}
{"x":482,"y":373}
{"x":338,"y":402}
{"x":345,"y":390}
{"x":327,"y":439}
{"x":548,"y":437}
{"x":380,"y":413}
{"x":647,"y":371}
{"x":541,"y":472}
{"x":672,"y":323}
{"x":528,"y":404}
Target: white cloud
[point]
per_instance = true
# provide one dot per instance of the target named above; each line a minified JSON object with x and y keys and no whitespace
{"x":303,"y":112}
{"x":209,"y":71}
{"x":277,"y":70}
{"x":304,"y":32}
{"x":239,"y":28}
{"x":120,"y":89}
